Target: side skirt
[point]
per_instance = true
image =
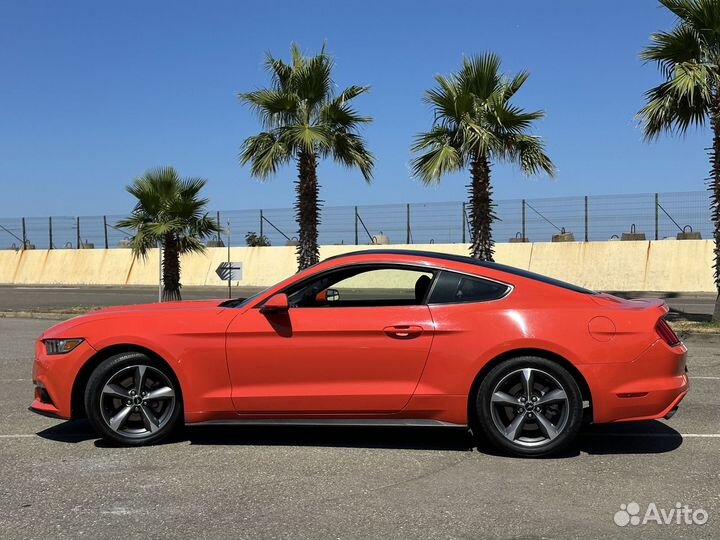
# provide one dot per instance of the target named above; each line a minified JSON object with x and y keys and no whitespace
{"x":350,"y":422}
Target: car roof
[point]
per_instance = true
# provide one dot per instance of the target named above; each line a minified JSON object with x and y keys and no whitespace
{"x":467,"y":260}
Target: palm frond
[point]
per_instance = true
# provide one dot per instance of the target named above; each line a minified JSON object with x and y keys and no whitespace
{"x":666,"y":111}
{"x":168,"y":208}
{"x":480,"y":74}
{"x":272,"y":107}
{"x":474,"y":117}
{"x":301,"y":111}
{"x":441,"y":155}
{"x":349,"y":149}
{"x":310,"y":138}
{"x":667,"y":49}
{"x":529,"y":152}
{"x":265,"y":152}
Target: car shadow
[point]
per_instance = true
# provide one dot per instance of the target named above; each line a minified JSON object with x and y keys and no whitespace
{"x":651,"y":437}
{"x":69,"y":431}
{"x":648,"y":437}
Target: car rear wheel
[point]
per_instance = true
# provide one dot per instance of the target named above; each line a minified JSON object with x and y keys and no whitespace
{"x":133,"y":399}
{"x":529,"y":406}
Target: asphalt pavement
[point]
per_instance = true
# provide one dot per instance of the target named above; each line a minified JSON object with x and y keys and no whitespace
{"x":59,"y":481}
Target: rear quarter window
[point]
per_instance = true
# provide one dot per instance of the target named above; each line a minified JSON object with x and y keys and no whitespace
{"x":453,"y":288}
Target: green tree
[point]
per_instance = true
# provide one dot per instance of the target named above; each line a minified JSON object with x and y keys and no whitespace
{"x":688,"y":57}
{"x":253,"y":239}
{"x":305,"y":120}
{"x":169,"y":213}
{"x":475,"y":125}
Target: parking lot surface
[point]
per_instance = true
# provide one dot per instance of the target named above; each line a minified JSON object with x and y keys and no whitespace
{"x":59,"y":481}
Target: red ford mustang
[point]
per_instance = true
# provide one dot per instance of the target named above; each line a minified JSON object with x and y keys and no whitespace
{"x":378,"y":337}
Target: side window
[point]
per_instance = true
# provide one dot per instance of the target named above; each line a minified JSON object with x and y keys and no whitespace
{"x":359,"y":287}
{"x":452,"y":288}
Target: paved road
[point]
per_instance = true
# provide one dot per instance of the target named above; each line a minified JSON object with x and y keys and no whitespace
{"x":37,"y":298}
{"x":58,"y":481}
{"x":12,"y":298}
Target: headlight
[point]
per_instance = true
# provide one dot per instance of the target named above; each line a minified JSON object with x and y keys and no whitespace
{"x":61,"y":346}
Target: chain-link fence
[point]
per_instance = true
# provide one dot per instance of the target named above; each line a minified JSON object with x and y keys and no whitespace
{"x":591,"y":218}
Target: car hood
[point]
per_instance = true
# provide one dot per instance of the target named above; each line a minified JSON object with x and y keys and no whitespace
{"x":66,"y":328}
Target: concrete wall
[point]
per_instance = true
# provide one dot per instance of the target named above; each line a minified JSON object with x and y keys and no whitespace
{"x":666,"y":265}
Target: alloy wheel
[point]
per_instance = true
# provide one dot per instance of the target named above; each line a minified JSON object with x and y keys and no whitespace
{"x":529,"y":407}
{"x":137,"y":401}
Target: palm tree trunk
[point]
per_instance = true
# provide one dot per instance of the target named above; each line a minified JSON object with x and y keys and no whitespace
{"x":714,"y":187}
{"x":171,"y":269}
{"x":482,"y":212}
{"x":307,"y":210}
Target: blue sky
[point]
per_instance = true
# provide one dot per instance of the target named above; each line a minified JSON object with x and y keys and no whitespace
{"x":94,"y":93}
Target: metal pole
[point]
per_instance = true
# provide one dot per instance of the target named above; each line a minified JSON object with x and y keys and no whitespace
{"x":228,"y":251}
{"x":657,"y":217}
{"x":218,"y":222}
{"x":24,"y":234}
{"x":77,"y":226}
{"x":523,"y":220}
{"x":50,"y":232}
{"x":408,"y":224}
{"x":159,"y":271}
{"x":356,"y":227}
{"x":105,"y":229}
{"x":586,"y":218}
{"x":261,"y":226}
{"x":463,"y":223}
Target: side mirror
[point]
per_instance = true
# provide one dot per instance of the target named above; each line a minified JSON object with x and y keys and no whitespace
{"x":332,"y":295}
{"x":327,"y":296}
{"x":276,"y":303}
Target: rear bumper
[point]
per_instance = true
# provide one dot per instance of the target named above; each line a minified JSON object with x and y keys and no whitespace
{"x":648,"y":388}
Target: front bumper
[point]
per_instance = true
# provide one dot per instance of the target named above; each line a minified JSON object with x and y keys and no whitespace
{"x":648,"y":388}
{"x":54,"y":376}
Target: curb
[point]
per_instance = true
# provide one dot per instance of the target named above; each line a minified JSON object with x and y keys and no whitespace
{"x":37,"y":315}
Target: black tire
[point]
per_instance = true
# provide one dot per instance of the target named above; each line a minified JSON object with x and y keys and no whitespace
{"x":112,"y":397}
{"x":540,"y":425}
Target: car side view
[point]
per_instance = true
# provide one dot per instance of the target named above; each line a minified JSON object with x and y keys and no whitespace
{"x":377,"y":337}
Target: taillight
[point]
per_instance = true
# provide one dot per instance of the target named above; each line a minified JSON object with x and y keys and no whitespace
{"x":667,"y":334}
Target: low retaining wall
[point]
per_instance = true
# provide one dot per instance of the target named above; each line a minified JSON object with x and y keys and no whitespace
{"x":666,"y":265}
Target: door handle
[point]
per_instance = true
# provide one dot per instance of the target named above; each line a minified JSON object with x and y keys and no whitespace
{"x":403,"y":331}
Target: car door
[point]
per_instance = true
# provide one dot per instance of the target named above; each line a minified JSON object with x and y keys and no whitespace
{"x":363,"y":352}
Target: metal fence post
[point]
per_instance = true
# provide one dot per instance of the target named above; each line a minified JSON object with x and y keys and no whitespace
{"x":24,"y":234}
{"x":463,"y":223}
{"x":105,"y":231}
{"x":523,"y":220}
{"x":407,"y":240}
{"x":261,"y":224}
{"x":218,"y":222}
{"x":657,"y":216}
{"x":356,"y":227}
{"x":586,"y":218}
{"x":77,"y":226}
{"x":50,"y":245}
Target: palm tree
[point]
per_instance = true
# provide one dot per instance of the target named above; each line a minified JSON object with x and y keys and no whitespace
{"x":476,"y":124}
{"x":689,"y":59}
{"x":305,"y":120}
{"x":170,"y":214}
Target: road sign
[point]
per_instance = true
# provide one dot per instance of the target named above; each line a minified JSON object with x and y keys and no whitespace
{"x":229,"y":271}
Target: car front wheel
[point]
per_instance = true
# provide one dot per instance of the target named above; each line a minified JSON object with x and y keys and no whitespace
{"x":529,"y":406}
{"x":133,"y":399}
